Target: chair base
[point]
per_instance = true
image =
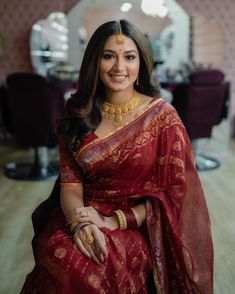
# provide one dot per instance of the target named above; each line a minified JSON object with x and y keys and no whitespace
{"x":204,"y":163}
{"x":31,"y":172}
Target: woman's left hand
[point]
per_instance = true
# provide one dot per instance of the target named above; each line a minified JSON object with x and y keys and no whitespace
{"x":91,"y":215}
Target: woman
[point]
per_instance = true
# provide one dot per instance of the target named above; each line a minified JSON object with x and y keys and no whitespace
{"x":132,"y":215}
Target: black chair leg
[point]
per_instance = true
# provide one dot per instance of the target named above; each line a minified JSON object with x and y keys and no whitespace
{"x":31,"y":171}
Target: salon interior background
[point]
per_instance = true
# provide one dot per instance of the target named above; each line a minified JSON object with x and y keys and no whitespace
{"x":210,"y":41}
{"x":216,"y":48}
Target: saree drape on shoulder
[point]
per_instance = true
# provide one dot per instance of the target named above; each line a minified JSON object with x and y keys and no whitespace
{"x":149,"y":160}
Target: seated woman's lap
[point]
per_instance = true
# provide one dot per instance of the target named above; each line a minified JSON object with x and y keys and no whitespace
{"x":125,"y":269}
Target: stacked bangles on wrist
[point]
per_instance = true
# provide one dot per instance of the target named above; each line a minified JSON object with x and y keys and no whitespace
{"x":128,"y":219}
{"x":76,"y":227}
{"x":73,"y":224}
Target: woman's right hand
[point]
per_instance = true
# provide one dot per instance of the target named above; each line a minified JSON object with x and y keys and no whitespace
{"x":97,"y":250}
{"x":91,"y":215}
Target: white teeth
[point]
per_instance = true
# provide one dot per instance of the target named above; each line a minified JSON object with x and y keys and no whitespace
{"x":118,"y":76}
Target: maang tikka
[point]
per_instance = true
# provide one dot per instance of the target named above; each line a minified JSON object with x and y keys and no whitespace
{"x":119,"y":37}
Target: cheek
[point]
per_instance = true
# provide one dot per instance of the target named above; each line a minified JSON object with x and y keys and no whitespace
{"x":134,"y":69}
{"x":102,"y":76}
{"x":102,"y":71}
{"x":104,"y":68}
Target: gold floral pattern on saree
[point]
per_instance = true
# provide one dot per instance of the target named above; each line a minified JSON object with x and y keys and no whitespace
{"x":142,"y":134}
{"x":162,"y":160}
{"x":94,"y":281}
{"x":60,"y":252}
{"x":180,"y":176}
{"x":120,"y":247}
{"x":132,"y":287}
{"x":176,"y":146}
{"x":180,"y":133}
{"x":176,"y":161}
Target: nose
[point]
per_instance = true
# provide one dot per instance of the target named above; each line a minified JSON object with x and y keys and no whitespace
{"x":119,"y":65}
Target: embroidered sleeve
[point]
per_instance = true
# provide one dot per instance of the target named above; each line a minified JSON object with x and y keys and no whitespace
{"x":70,"y":171}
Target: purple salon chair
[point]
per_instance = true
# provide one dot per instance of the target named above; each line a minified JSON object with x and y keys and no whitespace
{"x":201,"y":104}
{"x":34,"y":105}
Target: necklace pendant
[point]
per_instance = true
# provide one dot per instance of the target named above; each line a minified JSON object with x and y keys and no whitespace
{"x":117,"y":112}
{"x":118,"y":118}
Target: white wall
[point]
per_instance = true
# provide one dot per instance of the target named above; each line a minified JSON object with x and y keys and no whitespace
{"x":83,"y":14}
{"x":180,"y":25}
{"x":75,"y":18}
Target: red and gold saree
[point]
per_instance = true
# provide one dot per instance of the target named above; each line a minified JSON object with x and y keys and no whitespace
{"x":149,"y":160}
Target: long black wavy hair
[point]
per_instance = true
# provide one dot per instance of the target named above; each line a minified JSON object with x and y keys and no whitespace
{"x":83,"y":109}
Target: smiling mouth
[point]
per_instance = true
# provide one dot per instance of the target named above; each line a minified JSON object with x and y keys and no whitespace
{"x":118,"y":77}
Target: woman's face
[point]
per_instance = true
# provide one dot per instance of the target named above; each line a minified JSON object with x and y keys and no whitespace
{"x":119,"y":64}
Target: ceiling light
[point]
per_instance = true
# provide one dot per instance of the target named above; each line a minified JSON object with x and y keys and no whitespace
{"x":125,"y":7}
{"x":154,"y":8}
{"x":162,"y":11}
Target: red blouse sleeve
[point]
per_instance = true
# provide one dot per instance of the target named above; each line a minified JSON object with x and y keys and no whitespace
{"x":70,"y":171}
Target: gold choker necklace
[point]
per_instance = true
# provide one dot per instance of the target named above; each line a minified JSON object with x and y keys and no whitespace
{"x":117,"y":112}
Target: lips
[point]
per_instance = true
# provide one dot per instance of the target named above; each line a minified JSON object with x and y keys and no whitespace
{"x":118,"y":77}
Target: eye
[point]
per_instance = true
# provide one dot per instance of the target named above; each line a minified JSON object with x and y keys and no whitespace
{"x":130,"y":57}
{"x":108,"y":56}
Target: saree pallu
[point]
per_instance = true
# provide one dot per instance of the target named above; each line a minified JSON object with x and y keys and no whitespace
{"x":149,"y":160}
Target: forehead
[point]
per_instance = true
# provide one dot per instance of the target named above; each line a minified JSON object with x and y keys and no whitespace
{"x":128,"y":44}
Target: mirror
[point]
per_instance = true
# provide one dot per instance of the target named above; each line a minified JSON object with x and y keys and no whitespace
{"x":58,"y":42}
{"x":49,"y":47}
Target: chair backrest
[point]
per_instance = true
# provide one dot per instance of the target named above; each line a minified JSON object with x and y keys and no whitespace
{"x":34,"y":107}
{"x":200,"y":103}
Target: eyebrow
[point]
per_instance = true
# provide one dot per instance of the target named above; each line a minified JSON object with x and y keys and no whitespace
{"x":126,"y":52}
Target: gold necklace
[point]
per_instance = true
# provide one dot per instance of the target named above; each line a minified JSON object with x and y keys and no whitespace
{"x":117,"y":112}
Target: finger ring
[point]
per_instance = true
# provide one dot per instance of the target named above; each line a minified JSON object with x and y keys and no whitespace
{"x":90,"y":240}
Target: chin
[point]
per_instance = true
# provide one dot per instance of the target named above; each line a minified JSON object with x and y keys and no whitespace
{"x":119,"y":87}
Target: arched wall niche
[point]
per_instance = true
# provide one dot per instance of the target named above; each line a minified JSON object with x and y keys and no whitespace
{"x":169,"y":36}
{"x":16,"y":21}
{"x":208,"y":42}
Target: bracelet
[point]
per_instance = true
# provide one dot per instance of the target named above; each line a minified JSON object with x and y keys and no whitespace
{"x":137,"y":217}
{"x":121,"y":219}
{"x":78,"y":227}
{"x":73,"y":226}
{"x":128,"y":218}
{"x":131,"y":219}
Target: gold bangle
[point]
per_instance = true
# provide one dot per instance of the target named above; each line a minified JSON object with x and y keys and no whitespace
{"x":73,"y":226}
{"x":124,"y":220}
{"x":139,"y":222}
{"x":121,"y":219}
